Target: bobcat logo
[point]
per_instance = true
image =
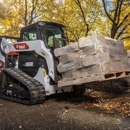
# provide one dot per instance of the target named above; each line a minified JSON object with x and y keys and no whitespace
{"x":21,"y":46}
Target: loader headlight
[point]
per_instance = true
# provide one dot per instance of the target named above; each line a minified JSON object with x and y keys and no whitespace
{"x":41,"y":23}
{"x":5,"y":49}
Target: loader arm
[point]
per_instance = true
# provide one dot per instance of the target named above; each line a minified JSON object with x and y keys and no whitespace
{"x":38,"y":46}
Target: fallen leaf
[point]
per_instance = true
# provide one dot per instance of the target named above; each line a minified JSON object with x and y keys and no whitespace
{"x":20,"y":127}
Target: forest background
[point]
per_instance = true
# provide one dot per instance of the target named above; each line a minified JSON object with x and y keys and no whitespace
{"x":81,"y":17}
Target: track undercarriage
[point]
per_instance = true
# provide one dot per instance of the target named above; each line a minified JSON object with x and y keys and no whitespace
{"x":17,"y":86}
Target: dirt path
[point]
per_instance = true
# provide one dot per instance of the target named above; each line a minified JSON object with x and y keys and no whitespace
{"x":98,"y":111}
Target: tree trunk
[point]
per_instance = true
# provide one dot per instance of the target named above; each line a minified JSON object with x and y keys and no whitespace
{"x":113,"y":30}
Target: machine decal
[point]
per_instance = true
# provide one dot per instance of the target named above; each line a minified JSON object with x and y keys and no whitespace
{"x":44,"y":73}
{"x":29,"y":64}
{"x":21,"y":46}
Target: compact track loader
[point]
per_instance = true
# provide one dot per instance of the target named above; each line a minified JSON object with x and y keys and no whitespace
{"x":29,"y":67}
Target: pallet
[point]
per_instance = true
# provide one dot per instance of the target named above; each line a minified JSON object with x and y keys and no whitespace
{"x":95,"y":78}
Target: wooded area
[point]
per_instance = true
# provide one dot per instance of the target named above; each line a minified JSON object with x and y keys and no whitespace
{"x":81,"y":17}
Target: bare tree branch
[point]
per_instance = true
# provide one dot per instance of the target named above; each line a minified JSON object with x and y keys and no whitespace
{"x":32,"y":12}
{"x":26,"y":10}
{"x":83,"y":16}
{"x":121,"y":32}
{"x":125,"y":37}
{"x":117,"y":25}
{"x":119,"y":12}
{"x":72,"y":32}
{"x":116,"y":11}
{"x":124,"y":20}
{"x":105,"y":9}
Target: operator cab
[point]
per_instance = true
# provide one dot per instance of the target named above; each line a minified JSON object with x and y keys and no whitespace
{"x":53,"y":36}
{"x":51,"y":33}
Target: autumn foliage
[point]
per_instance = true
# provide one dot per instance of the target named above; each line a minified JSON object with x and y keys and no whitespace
{"x":81,"y":17}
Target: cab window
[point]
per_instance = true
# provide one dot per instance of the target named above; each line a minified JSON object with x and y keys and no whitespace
{"x":49,"y":33}
{"x":30,"y":35}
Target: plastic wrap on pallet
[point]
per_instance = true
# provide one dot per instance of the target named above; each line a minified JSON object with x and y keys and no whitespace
{"x":79,"y":73}
{"x":119,"y":67}
{"x":113,"y":67}
{"x":64,"y":67}
{"x":70,"y":56}
{"x":90,"y":56}
{"x":75,"y":55}
{"x":102,"y":44}
{"x":128,"y":54}
{"x":101,"y":58}
{"x":129,"y":60}
{"x":107,"y":67}
{"x":126,"y":66}
{"x":82,"y":72}
{"x":97,"y":41}
{"x":95,"y":59}
{"x":94,"y":69}
{"x":67,"y":75}
{"x":66,"y":49}
{"x":89,"y":50}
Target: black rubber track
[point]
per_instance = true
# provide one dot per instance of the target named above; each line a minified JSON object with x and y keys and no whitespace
{"x":35,"y":88}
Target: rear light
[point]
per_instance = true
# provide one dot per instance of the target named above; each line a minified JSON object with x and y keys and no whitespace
{"x":21,"y":46}
{"x":5,"y":49}
{"x":1,"y":65}
{"x":13,"y":53}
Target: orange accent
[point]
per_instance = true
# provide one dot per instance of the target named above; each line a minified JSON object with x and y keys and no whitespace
{"x":13,"y":53}
{"x":21,"y":46}
{"x":3,"y":65}
{"x":1,"y":69}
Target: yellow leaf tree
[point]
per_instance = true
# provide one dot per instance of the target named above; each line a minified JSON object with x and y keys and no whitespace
{"x":19,"y":13}
{"x":79,"y":16}
{"x":118,"y":16}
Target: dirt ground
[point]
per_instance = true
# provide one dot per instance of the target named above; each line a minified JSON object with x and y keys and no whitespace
{"x":95,"y":111}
